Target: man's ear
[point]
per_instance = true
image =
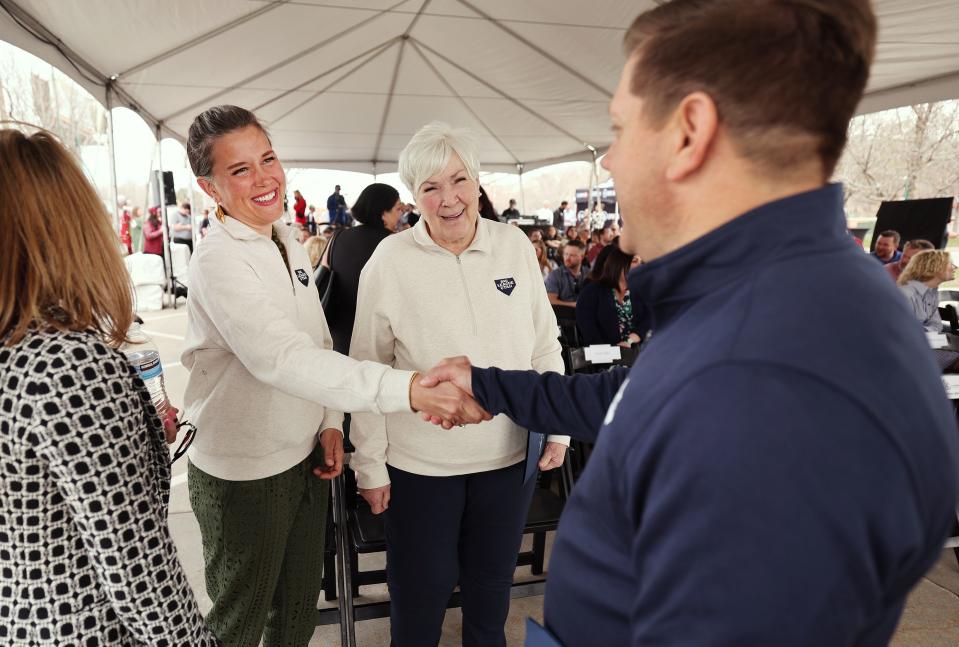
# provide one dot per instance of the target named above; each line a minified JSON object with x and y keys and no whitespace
{"x":209,"y":188}
{"x":696,"y":122}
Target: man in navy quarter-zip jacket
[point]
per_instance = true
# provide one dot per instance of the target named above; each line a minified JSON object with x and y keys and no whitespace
{"x":758,"y":477}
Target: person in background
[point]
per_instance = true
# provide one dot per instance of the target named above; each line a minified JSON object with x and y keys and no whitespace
{"x":378,"y":209}
{"x":126,"y":238}
{"x":299,"y":209}
{"x":559,"y":216}
{"x":887,"y":247}
{"x":205,"y":223}
{"x":183,"y":226}
{"x":510,"y":212}
{"x":153,"y":233}
{"x":412,"y":215}
{"x":84,"y":459}
{"x":328,"y":232}
{"x":455,"y":503}
{"x":266,"y":390}
{"x":302,"y":233}
{"x":920,"y":282}
{"x":542,"y":258}
{"x":596,"y":245}
{"x":536,"y":235}
{"x":736,"y":421}
{"x":569,"y":234}
{"x":336,"y":206}
{"x":486,"y":208}
{"x":564,"y":283}
{"x":315,"y":246}
{"x":605,"y":313}
{"x":553,"y":242}
{"x":311,"y":219}
{"x":910,"y":249}
{"x":136,"y":229}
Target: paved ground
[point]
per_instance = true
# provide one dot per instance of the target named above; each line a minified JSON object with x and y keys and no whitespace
{"x":931,"y":618}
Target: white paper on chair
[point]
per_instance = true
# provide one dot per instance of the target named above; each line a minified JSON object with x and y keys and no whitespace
{"x":951,"y":383}
{"x":601,"y":354}
{"x":937,"y":340}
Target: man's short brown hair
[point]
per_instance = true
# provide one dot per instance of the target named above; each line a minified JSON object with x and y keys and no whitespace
{"x":786,"y":75}
{"x":891,"y":233}
{"x":918,"y":243}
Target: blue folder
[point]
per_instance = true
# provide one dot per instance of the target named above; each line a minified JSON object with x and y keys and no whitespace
{"x":539,"y":636}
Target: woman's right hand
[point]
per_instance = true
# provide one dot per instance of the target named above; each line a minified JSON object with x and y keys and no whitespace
{"x":378,"y":498}
{"x":448,"y":403}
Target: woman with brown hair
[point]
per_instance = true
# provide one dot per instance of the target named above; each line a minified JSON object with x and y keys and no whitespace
{"x":84,"y":469}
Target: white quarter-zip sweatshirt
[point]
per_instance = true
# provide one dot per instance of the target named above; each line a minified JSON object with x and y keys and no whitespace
{"x":258,"y":349}
{"x":418,"y":304}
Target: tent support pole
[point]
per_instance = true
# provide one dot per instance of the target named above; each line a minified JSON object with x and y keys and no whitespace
{"x":164,"y":222}
{"x":114,"y":193}
{"x":522,"y":191}
{"x":592,"y":185}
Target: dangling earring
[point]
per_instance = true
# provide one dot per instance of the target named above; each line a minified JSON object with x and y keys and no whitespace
{"x":220,"y":213}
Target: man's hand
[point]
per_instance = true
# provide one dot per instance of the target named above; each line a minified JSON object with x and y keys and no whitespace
{"x":447,"y":404}
{"x":457,"y":370}
{"x":553,"y":456}
{"x":169,"y":423}
{"x":378,"y":498}
{"x":331,"y":440}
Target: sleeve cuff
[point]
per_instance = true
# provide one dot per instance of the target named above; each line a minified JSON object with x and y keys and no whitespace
{"x":332,"y":420}
{"x":372,"y":477}
{"x":394,"y":394}
{"x":562,"y":440}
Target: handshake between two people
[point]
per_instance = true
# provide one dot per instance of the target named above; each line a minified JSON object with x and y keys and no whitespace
{"x":444,"y":396}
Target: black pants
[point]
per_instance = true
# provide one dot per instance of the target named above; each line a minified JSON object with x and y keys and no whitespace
{"x":444,"y":530}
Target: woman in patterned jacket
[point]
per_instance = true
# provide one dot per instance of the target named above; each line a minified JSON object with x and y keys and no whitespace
{"x":85,"y":552}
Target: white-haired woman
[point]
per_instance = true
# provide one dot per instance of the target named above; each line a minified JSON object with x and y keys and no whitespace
{"x":455,"y":500}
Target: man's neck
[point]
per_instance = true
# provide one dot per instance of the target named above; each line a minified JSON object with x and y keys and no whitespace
{"x":705,"y":205}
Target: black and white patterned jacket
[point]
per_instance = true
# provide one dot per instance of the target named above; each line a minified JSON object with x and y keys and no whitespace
{"x":86,"y":556}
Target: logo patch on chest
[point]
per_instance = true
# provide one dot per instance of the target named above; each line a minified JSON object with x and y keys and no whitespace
{"x":505,"y":285}
{"x":303,"y":276}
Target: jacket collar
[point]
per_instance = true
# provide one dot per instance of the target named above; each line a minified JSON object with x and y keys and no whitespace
{"x":240,"y":231}
{"x":481,"y":241}
{"x":812,"y":221}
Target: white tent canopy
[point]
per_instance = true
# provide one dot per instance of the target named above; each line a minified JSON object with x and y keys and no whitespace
{"x":343,"y":85}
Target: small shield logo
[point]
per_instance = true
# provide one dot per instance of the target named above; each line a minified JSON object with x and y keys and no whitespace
{"x":505,"y":285}
{"x":303,"y":276}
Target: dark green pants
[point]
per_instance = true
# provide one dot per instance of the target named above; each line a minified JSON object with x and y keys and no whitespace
{"x":263,"y":546}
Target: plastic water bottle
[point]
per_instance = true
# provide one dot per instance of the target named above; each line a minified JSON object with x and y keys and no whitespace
{"x":145,"y":358}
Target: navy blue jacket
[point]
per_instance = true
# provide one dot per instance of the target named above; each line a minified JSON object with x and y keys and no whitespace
{"x":779,"y":467}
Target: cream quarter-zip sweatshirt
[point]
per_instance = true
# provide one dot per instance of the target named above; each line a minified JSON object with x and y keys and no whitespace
{"x":258,"y":349}
{"x":419,"y":303}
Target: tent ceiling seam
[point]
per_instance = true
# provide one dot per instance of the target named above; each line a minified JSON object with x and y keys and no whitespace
{"x":878,"y":92}
{"x":330,"y":70}
{"x":287,"y":61}
{"x":389,"y":102}
{"x":382,"y":49}
{"x":519,"y":104}
{"x":539,"y":50}
{"x":396,"y":73}
{"x":466,"y":104}
{"x":202,"y":37}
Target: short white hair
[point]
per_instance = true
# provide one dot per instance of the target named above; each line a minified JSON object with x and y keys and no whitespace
{"x":430,"y":150}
